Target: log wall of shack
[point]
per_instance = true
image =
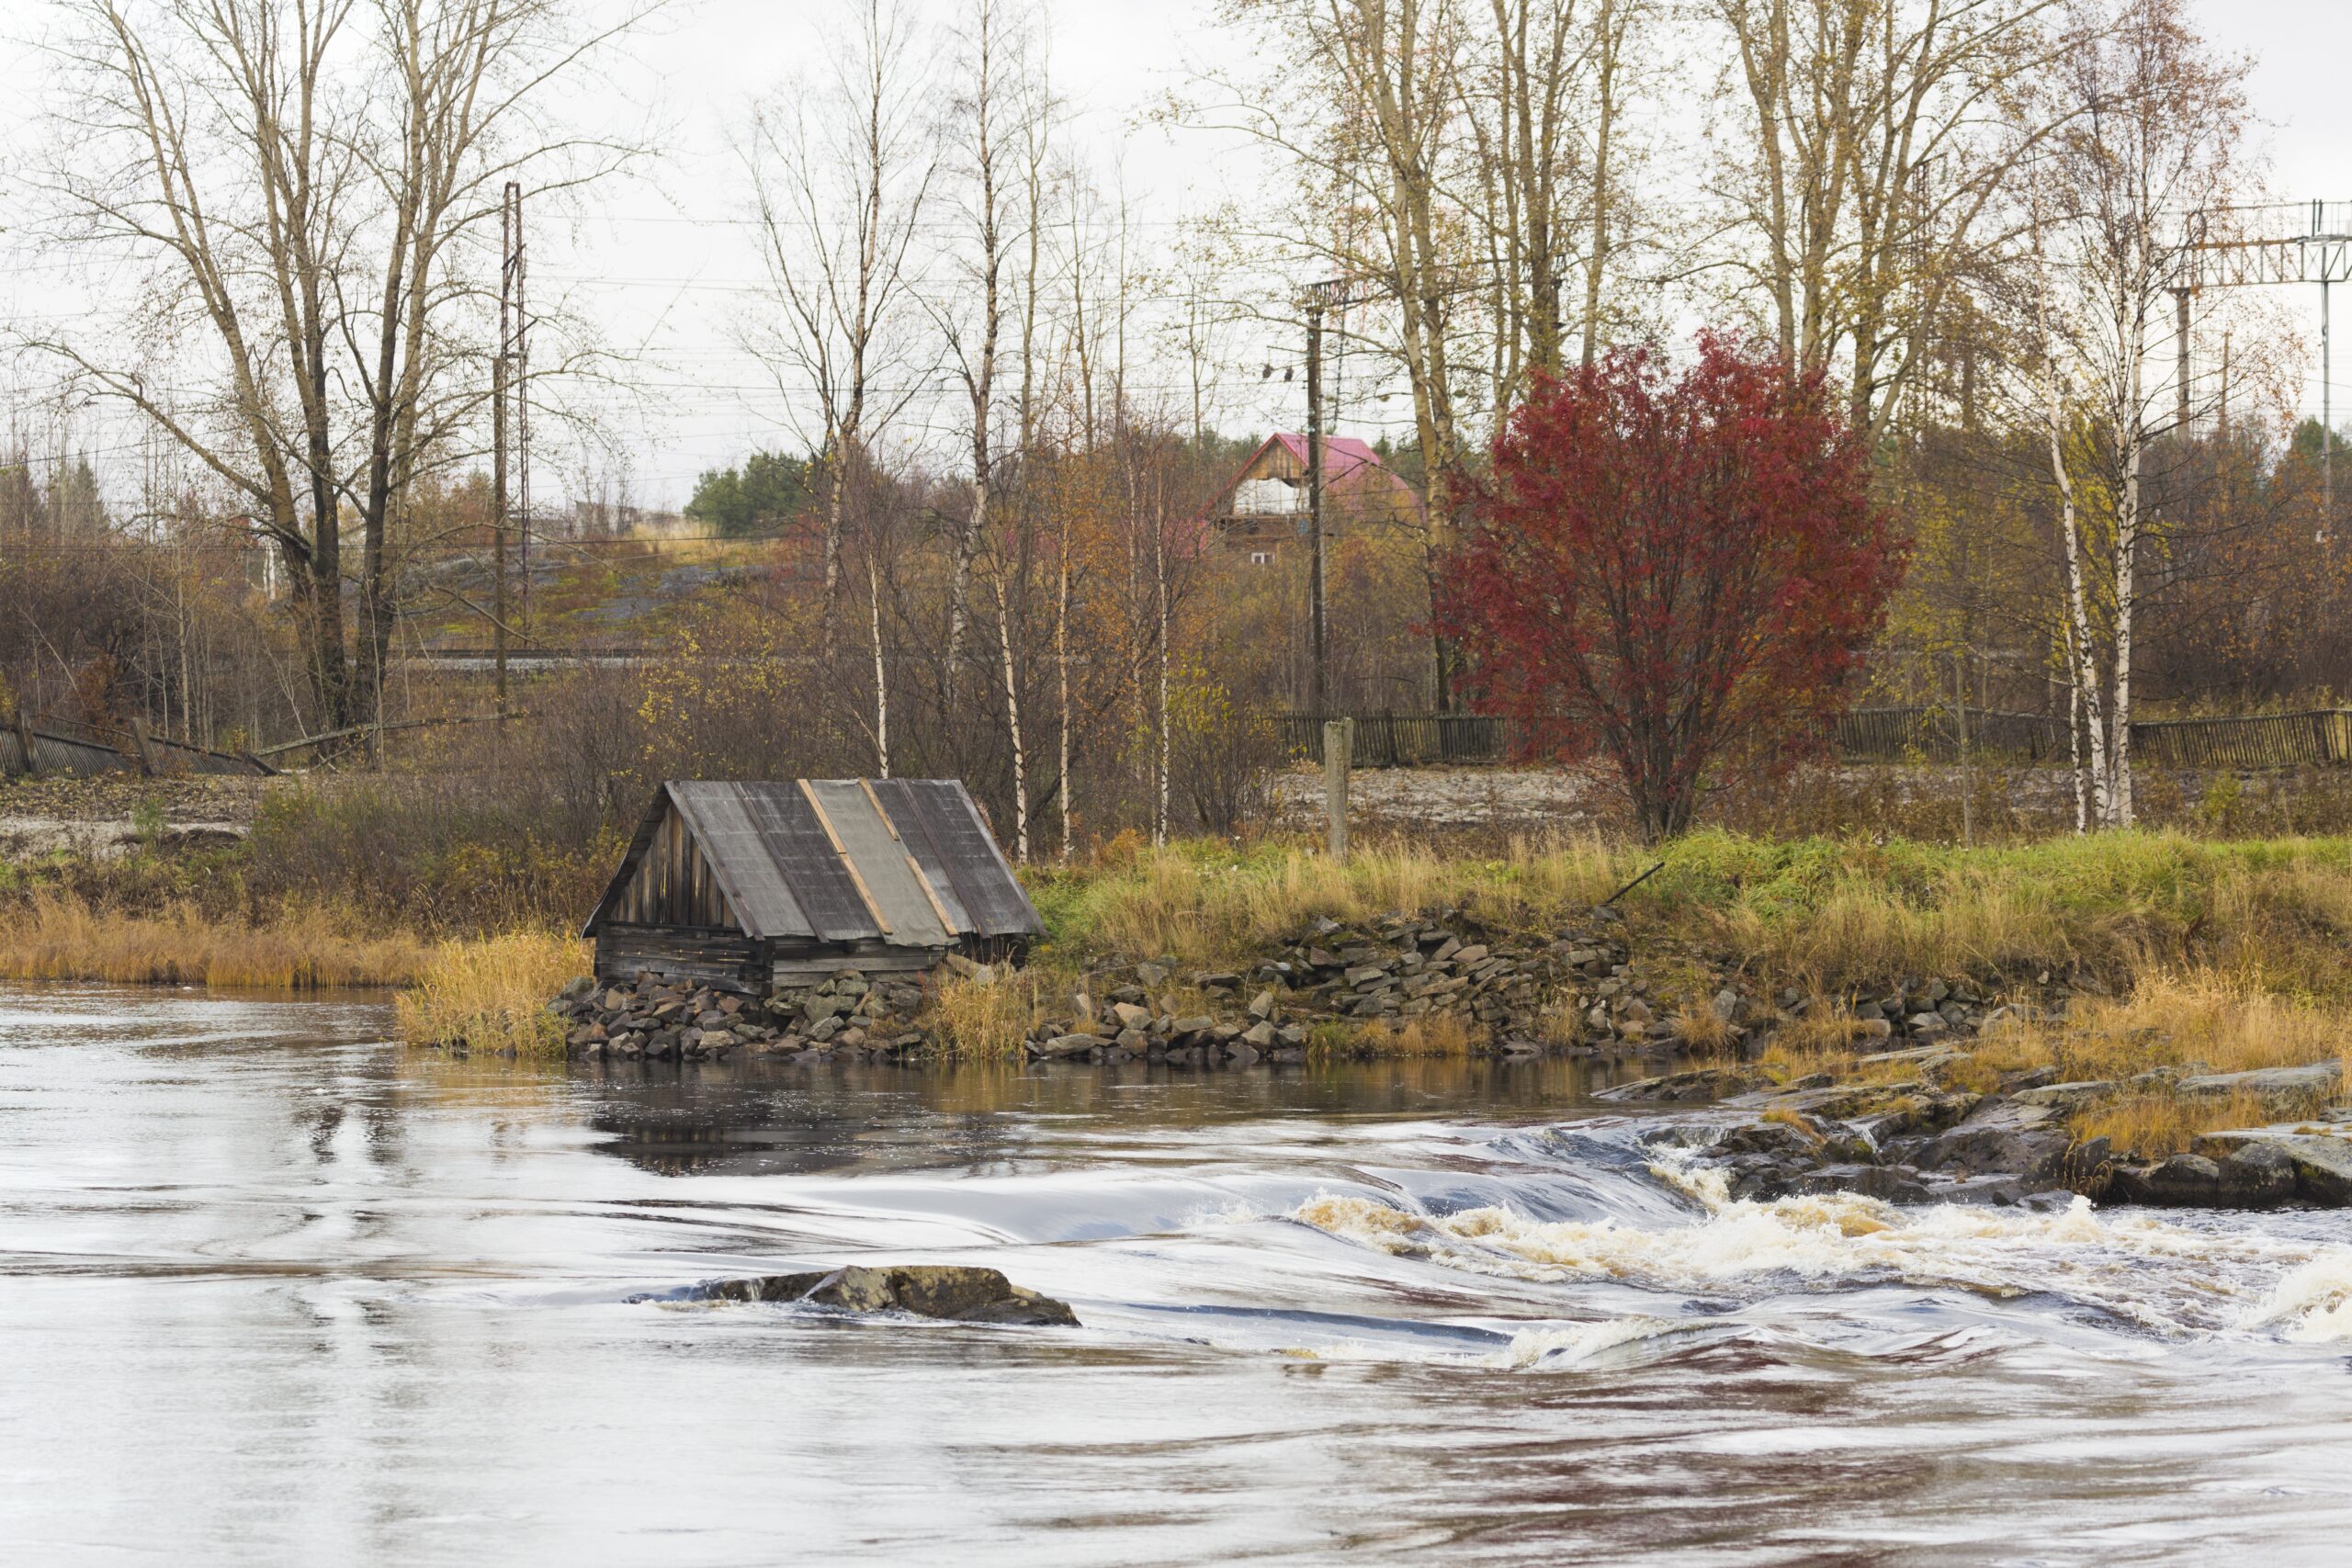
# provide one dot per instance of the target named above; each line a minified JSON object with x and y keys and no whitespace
{"x":730,"y":961}
{"x":725,"y":959}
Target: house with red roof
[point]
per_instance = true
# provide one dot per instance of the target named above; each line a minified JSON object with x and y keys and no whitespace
{"x":1260,"y":514}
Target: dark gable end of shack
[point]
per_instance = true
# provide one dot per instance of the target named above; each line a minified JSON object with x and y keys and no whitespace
{"x":749,"y":885}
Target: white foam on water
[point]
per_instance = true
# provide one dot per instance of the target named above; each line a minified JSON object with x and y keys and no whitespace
{"x":2168,"y":1278}
{"x":2313,"y":1303}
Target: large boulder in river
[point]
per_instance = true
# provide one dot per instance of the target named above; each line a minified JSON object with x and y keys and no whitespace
{"x":2000,"y":1139}
{"x":944,"y":1291}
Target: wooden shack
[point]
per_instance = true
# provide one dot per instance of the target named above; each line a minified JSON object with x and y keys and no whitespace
{"x":749,"y":887}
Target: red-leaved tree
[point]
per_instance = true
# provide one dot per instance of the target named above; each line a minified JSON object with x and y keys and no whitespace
{"x":1678,"y":572}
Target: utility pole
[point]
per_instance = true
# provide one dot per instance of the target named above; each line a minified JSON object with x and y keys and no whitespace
{"x":1320,"y":684}
{"x":498,"y":529}
{"x":510,"y":432}
{"x":2180,"y":423}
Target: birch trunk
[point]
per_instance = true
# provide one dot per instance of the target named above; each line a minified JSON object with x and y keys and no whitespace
{"x":881,"y":672}
{"x":2083,"y":666}
{"x":1061,"y":671}
{"x":2127,"y":547}
{"x":1013,"y":726}
{"x":1159,"y":572}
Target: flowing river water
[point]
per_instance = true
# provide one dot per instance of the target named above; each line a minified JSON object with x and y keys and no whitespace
{"x":273,"y":1290}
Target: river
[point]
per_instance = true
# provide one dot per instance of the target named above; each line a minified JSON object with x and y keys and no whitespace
{"x":274,"y":1290}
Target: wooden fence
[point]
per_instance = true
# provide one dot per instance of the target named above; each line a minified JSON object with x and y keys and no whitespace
{"x":2320,"y":737}
{"x":61,"y":746}
{"x":1400,"y":739}
{"x":1890,"y":734}
{"x":2260,"y":741}
{"x":2267,"y":740}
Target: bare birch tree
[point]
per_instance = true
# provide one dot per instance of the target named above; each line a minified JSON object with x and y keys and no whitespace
{"x":841,"y":171}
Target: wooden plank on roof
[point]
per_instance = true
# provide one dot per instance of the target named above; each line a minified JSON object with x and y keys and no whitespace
{"x":893,"y":797}
{"x":841,"y":852}
{"x":723,"y":872}
{"x":872,"y":849}
{"x":957,"y":848}
{"x":802,"y":851}
{"x":949,"y":921}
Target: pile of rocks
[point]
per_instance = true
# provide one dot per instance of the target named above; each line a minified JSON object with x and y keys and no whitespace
{"x":1918,"y":1008}
{"x":845,"y":1012}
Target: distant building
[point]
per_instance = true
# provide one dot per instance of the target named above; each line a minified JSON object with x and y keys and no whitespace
{"x":1262,"y":514}
{"x":618,"y":520}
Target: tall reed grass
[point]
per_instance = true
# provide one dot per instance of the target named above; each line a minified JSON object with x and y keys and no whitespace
{"x":58,"y":936}
{"x":492,"y":994}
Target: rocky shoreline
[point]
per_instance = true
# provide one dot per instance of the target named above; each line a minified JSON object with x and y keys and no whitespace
{"x":1329,"y":987}
{"x":1911,"y":1131}
{"x":1919,"y":1140}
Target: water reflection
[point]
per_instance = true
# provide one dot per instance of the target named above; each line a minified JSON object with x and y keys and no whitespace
{"x":751,"y":1116}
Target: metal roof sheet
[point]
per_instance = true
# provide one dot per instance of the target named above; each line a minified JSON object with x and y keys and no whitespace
{"x":908,"y":861}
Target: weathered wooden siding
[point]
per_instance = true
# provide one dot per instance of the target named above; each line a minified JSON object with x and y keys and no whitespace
{"x":673,"y":885}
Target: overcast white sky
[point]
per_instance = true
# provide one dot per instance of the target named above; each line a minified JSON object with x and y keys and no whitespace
{"x":660,"y":276}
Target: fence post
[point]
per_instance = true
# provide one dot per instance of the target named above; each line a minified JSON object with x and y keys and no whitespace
{"x":1338,"y":747}
{"x":146,"y":751}
{"x":25,"y":741}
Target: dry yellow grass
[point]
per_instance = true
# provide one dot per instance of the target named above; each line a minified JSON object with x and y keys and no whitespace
{"x":975,"y":1021}
{"x":1561,"y":1023}
{"x":2196,"y":1018}
{"x":1431,"y":1034}
{"x":1863,"y":931}
{"x":492,"y":994}
{"x":2156,"y":1125}
{"x":1703,"y":1030}
{"x":53,"y":936}
{"x":1203,"y":909}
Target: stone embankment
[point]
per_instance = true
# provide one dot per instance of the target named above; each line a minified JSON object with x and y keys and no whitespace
{"x":1451,"y":982}
{"x":1331,"y":988}
{"x":1915,"y":1138}
{"x":847,"y":1013}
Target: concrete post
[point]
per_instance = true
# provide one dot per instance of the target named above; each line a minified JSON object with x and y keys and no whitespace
{"x":1339,"y":746}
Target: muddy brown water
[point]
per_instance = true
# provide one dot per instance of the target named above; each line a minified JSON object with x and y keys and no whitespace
{"x":273,"y":1290}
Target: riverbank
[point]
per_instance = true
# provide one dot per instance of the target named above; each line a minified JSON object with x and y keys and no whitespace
{"x":2116,"y":982}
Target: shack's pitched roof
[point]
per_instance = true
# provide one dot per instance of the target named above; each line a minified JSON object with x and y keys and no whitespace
{"x":908,"y":861}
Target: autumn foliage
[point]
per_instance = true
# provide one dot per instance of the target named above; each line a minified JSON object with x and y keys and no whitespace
{"x":1676,"y":572}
